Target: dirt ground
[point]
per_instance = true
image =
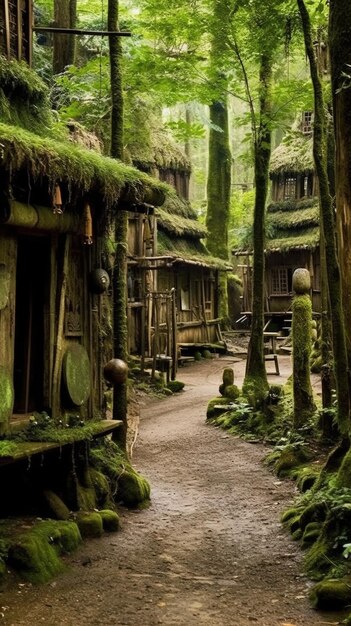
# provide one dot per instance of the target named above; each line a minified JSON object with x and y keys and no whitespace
{"x":210,"y":549}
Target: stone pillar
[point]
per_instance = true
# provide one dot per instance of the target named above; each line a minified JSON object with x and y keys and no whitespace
{"x":301,"y":341}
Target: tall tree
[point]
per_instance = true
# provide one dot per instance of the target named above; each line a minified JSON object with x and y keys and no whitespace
{"x":65,"y":16}
{"x":121,"y":220}
{"x":219,"y":156}
{"x":333,"y":272}
{"x":340,"y":57}
{"x":255,"y":365}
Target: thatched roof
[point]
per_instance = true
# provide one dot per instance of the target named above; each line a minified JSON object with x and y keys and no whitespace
{"x":293,"y":155}
{"x":193,"y":251}
{"x":290,"y":225}
{"x":178,"y":218}
{"x":30,"y":141}
{"x":148,"y":143}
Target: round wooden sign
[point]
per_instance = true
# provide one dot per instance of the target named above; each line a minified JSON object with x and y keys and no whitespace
{"x":76,"y":374}
{"x":6,"y":395}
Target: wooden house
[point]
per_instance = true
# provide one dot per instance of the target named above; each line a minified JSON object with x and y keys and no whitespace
{"x":292,"y":224}
{"x":16,"y":17}
{"x":56,"y":201}
{"x":172,"y":279}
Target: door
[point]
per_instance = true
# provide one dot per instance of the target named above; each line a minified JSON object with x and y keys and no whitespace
{"x":32,"y":289}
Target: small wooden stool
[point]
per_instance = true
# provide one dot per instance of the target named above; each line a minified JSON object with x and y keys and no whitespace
{"x":273,"y":357}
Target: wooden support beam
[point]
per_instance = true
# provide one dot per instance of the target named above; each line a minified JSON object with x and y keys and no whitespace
{"x":7,"y":28}
{"x":80,"y":31}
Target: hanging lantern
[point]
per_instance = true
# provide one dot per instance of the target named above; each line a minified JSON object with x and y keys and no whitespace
{"x":57,"y":201}
{"x":88,"y":225}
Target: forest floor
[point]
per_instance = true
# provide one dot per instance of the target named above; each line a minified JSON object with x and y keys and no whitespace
{"x":210,"y":549}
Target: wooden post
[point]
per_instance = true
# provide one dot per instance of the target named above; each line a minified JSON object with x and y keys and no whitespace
{"x":7,"y":28}
{"x":174,"y":336}
{"x":204,"y":307}
{"x":59,"y":331}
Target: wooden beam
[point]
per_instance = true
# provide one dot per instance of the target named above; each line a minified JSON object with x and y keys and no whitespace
{"x":80,"y":31}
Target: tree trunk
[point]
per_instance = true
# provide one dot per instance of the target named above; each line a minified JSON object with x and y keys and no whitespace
{"x":218,"y":181}
{"x":255,"y":366}
{"x":65,"y":16}
{"x":334,"y":280}
{"x":219,"y":157}
{"x":340,"y":57}
{"x":121,"y":225}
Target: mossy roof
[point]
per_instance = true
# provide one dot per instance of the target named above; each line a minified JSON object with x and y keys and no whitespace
{"x":293,"y":155}
{"x":85,"y":169}
{"x":148,"y":143}
{"x":178,"y":218}
{"x":185,"y":250}
{"x":290,"y":225}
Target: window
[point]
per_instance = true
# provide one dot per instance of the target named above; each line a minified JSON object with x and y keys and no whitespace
{"x":281,"y":280}
{"x":307,"y":119}
{"x":290,"y":188}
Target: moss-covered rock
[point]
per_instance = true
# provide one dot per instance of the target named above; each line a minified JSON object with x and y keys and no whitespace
{"x":56,"y":506}
{"x":228,"y":376}
{"x":206,"y":354}
{"x":232,"y":392}
{"x":197,"y":356}
{"x":326,"y":553}
{"x":175,"y":385}
{"x":110,"y":520}
{"x":133,"y":489}
{"x":102,"y":488}
{"x":290,"y":456}
{"x":331,"y":595}
{"x":90,"y":524}
{"x":213,"y":412}
{"x":311,"y":533}
{"x":35,"y":554}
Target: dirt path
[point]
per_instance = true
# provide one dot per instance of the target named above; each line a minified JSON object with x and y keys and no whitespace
{"x":209,"y":550}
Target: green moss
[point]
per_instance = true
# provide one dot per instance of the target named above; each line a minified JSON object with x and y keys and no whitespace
{"x":110,"y":520}
{"x":288,"y":458}
{"x":133,"y":489}
{"x":90,"y":524}
{"x":35,"y":554}
{"x":255,"y":390}
{"x":228,"y":376}
{"x":331,"y":595}
{"x":56,"y":506}
{"x":175,"y":385}
{"x":296,"y":535}
{"x":306,"y":477}
{"x":86,"y":498}
{"x":343,"y":478}
{"x":211,"y":412}
{"x":311,"y":533}
{"x":206,"y":354}
{"x":232,"y":392}
{"x":129,"y":486}
{"x":6,"y":395}
{"x":101,"y":487}
{"x":197,"y":356}
{"x":3,"y":569}
{"x":64,"y":161}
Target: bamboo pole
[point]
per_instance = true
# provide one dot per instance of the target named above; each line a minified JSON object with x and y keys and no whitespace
{"x":59,"y":331}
